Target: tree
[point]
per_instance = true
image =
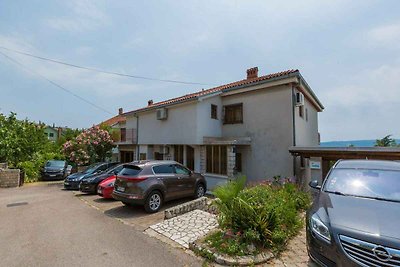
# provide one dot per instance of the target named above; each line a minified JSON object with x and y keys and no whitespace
{"x":92,"y":145}
{"x":20,"y":139}
{"x":386,"y":141}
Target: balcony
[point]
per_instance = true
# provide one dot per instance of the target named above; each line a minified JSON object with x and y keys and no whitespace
{"x":124,"y":136}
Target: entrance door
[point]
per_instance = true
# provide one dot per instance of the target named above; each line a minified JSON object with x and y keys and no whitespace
{"x":158,"y":156}
{"x":190,"y":157}
{"x":126,"y":156}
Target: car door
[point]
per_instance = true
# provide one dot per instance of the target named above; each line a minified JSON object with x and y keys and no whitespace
{"x":166,"y":173}
{"x":186,"y":180}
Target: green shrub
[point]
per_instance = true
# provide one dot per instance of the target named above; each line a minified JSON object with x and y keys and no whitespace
{"x":32,"y":167}
{"x":266,"y":215}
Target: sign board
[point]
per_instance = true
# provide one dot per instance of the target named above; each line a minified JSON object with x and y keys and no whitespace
{"x":316,"y":165}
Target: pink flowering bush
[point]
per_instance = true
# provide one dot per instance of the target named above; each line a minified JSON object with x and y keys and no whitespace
{"x":92,"y":145}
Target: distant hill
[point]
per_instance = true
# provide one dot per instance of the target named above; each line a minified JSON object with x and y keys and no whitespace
{"x":356,"y":143}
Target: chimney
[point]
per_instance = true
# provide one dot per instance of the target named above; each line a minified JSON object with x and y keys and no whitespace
{"x":150,"y":102}
{"x":120,"y":111}
{"x":252,"y":73}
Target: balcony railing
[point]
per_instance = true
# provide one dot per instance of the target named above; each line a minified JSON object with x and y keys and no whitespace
{"x":124,"y":136}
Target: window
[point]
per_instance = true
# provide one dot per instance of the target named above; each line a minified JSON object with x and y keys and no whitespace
{"x":123,"y":134}
{"x":238,"y":162}
{"x":130,"y":170}
{"x":51,"y":134}
{"x":216,"y":161}
{"x":233,"y":114}
{"x":181,"y":170}
{"x":214,"y":111}
{"x":163,"y":169}
{"x":301,"y":111}
{"x":306,"y":114}
{"x":178,"y":150}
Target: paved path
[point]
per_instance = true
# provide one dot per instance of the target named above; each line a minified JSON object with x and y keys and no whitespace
{"x":188,"y":227}
{"x":43,"y":225}
{"x":295,"y":255}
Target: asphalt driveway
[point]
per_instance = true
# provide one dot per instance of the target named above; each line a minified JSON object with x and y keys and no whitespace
{"x":42,"y":225}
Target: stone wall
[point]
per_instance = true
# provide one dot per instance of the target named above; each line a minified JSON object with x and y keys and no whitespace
{"x":9,"y":177}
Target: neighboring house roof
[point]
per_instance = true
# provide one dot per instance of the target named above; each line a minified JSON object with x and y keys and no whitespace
{"x":114,"y":120}
{"x":241,"y":83}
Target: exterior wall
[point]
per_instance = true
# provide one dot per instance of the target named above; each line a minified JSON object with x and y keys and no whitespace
{"x":206,"y":126}
{"x":9,"y":177}
{"x":131,"y":122}
{"x":178,"y":128}
{"x":49,"y":130}
{"x":267,"y":120}
{"x":306,"y":131}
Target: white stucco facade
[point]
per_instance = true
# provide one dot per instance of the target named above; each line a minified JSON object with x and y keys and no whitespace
{"x":271,"y":124}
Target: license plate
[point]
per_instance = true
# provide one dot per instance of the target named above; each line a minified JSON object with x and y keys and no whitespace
{"x":66,"y":183}
{"x":121,"y":189}
{"x":52,"y":175}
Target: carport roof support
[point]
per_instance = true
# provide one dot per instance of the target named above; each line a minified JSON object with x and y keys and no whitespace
{"x":335,"y":153}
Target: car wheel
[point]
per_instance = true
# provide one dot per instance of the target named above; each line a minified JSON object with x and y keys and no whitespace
{"x":200,"y":191}
{"x":153,"y":202}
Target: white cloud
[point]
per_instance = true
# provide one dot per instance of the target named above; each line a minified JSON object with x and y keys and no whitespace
{"x":385,"y":35}
{"x":364,"y":107}
{"x":85,"y":15}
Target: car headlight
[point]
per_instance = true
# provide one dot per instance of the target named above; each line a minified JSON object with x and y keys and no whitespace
{"x":319,"y":228}
{"x":110,"y":184}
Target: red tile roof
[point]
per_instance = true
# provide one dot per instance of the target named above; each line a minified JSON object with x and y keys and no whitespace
{"x":215,"y":90}
{"x":114,"y":120}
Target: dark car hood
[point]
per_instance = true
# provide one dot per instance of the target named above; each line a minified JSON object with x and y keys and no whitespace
{"x":97,"y":177}
{"x":362,"y":214}
{"x":78,"y":175}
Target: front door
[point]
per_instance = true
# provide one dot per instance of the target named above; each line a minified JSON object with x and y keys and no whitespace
{"x":190,"y":157}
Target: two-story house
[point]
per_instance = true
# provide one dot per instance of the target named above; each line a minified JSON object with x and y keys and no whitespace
{"x":245,"y":127}
{"x":124,"y":136}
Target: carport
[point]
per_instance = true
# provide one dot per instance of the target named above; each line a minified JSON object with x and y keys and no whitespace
{"x":317,"y":161}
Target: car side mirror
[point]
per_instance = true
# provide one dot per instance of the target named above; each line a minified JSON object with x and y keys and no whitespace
{"x":314,"y":184}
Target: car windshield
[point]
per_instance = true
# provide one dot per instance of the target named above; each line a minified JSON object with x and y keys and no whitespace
{"x":55,"y":163}
{"x":114,"y":169}
{"x":92,"y":168}
{"x":380,"y":184}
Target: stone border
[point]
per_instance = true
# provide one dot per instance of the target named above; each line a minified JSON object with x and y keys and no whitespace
{"x":197,"y":204}
{"x":205,"y":251}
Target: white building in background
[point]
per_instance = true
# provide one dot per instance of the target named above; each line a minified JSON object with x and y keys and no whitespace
{"x":244,"y":127}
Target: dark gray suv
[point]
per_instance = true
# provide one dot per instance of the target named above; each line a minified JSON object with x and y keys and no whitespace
{"x":151,"y":183}
{"x":354,"y":220}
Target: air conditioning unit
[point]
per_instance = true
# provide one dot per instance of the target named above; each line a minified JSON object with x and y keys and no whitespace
{"x":299,"y":99}
{"x":162,"y":114}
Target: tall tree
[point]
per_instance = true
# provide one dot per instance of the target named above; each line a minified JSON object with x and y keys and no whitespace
{"x":386,"y":141}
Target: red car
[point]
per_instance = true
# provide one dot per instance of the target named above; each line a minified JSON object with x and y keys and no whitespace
{"x":106,"y":187}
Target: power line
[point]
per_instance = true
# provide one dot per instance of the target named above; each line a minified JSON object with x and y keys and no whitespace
{"x":54,"y":83}
{"x":101,"y":71}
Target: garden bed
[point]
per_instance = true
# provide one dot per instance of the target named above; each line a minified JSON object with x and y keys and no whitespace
{"x":255,"y":222}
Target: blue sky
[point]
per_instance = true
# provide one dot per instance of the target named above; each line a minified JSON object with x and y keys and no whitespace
{"x":348,"y":51}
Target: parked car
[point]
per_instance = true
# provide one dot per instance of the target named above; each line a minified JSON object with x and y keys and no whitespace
{"x":151,"y":183}
{"x":354,"y":220}
{"x":69,"y":170}
{"x":54,"y":170}
{"x":106,"y":187}
{"x":89,"y":184}
{"x":72,"y":181}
